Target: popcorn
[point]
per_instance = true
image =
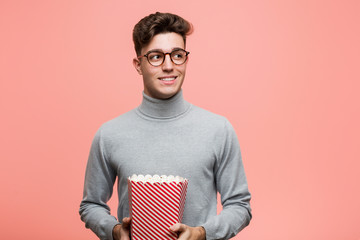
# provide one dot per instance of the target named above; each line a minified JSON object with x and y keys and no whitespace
{"x":156,"y":203}
{"x":156,"y":178}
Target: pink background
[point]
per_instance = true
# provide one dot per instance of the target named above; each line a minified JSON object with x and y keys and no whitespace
{"x":285,"y":73}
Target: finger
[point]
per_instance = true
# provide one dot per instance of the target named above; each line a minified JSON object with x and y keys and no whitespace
{"x":178,"y":227}
{"x":126,"y":222}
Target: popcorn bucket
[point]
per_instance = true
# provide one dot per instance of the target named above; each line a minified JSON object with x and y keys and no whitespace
{"x":155,"y":206}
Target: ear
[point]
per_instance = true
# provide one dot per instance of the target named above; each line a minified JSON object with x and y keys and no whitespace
{"x":137,"y":65}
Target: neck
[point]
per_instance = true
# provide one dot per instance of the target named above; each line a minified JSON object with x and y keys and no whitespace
{"x":164,"y":108}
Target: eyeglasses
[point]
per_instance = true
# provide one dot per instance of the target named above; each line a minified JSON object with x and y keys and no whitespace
{"x":157,"y":58}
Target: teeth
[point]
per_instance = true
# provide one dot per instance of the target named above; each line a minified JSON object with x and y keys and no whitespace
{"x":167,"y":79}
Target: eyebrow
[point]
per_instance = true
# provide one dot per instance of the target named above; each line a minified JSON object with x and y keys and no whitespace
{"x":160,"y":50}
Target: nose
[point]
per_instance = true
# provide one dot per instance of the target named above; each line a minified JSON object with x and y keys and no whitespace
{"x":167,"y":66}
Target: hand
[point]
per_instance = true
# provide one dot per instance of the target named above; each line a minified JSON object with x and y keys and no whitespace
{"x":122,"y":231}
{"x":188,"y":233}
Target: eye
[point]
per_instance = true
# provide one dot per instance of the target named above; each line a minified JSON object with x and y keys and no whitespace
{"x":178,"y":55}
{"x":155,"y":56}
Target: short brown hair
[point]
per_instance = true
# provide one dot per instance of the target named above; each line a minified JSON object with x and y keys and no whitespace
{"x":157,"y":23}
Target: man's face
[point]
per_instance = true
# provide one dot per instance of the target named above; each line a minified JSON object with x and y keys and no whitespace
{"x":163,"y":81}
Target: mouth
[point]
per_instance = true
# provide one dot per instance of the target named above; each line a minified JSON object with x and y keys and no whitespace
{"x":168,"y":80}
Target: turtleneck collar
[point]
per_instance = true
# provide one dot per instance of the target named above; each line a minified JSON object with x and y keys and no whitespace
{"x":164,"y":108}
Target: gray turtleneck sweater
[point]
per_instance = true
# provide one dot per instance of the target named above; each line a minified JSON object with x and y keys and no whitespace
{"x":169,"y":137}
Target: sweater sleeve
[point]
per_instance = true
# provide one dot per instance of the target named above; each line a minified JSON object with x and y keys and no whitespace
{"x":98,"y":188}
{"x":232,"y":185}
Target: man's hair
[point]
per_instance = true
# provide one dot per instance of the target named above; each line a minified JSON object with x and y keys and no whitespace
{"x":156,"y":23}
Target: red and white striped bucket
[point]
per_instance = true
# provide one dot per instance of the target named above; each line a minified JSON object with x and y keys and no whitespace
{"x":154,"y":207}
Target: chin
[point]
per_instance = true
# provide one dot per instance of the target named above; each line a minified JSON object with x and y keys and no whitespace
{"x":167,"y":95}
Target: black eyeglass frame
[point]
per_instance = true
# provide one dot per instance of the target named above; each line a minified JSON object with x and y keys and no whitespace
{"x":156,"y":51}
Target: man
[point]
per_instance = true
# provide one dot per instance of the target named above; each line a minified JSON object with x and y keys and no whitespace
{"x":166,"y":135}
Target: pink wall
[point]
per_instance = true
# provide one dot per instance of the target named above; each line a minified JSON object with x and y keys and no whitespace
{"x":285,"y":73}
